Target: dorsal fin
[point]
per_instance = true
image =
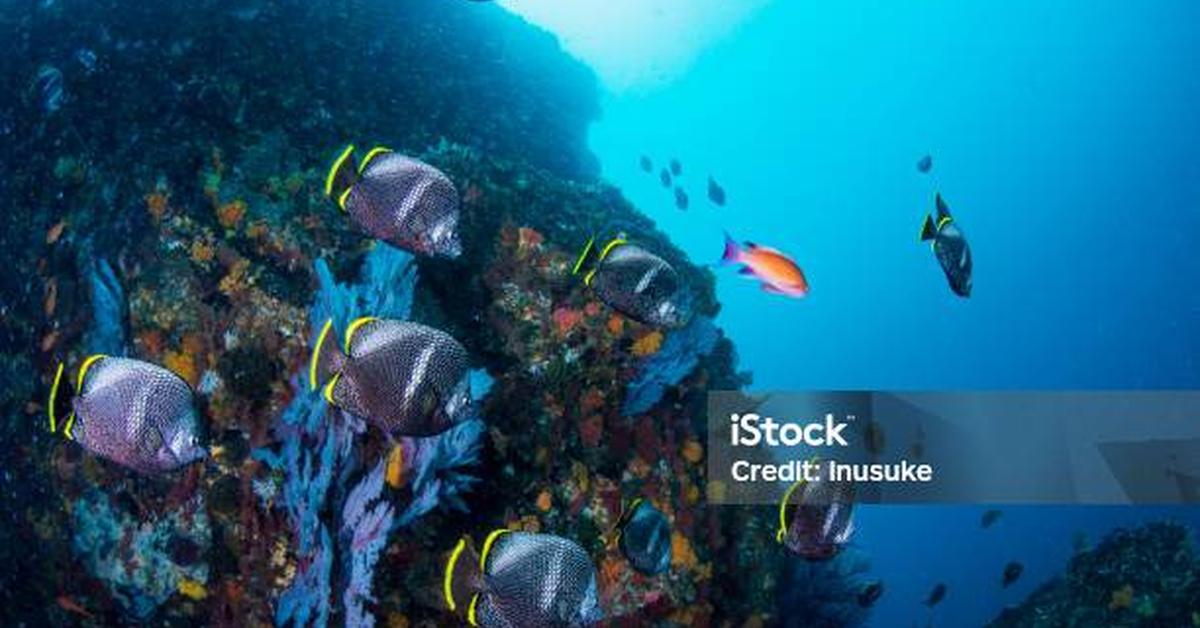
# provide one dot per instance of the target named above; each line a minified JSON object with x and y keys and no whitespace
{"x":83,"y":370}
{"x":353,"y":327}
{"x":342,"y":176}
{"x":372,"y":154}
{"x":943,"y":210}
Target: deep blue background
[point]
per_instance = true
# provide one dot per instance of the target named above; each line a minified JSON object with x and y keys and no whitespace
{"x":1065,"y":138}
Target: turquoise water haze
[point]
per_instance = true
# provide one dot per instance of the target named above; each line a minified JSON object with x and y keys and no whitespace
{"x":1064,"y":138}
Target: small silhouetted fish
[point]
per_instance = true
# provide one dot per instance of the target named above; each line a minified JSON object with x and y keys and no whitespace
{"x":870,"y":594}
{"x":645,"y":538}
{"x":1012,"y":571}
{"x":936,"y":595}
{"x":676,"y":169}
{"x":48,"y":86}
{"x":646,"y":164}
{"x":681,"y":198}
{"x":665,"y":177}
{"x":716,"y":193}
{"x":925,"y":163}
{"x":990,"y":518}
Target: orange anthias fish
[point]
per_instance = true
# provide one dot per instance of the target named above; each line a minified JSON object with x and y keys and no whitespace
{"x":71,"y":606}
{"x":777,"y":271}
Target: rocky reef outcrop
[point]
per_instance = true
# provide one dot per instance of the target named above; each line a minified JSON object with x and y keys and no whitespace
{"x":166,"y":178}
{"x":1148,"y":576}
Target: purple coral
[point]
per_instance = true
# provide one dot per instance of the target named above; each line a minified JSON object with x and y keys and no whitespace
{"x":317,"y":455}
{"x":437,"y":461}
{"x":366,"y":520}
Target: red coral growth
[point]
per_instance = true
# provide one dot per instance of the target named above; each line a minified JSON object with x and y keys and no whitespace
{"x":591,"y":429}
{"x":592,"y":400}
{"x":565,"y":319}
{"x":230,"y":214}
{"x":528,"y":239}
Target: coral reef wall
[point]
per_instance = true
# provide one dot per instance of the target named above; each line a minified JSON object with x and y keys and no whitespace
{"x":187,"y":150}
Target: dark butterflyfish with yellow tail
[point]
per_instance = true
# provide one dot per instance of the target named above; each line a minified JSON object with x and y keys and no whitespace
{"x":950,"y":247}
{"x":644,"y":537}
{"x":521,"y":579}
{"x":136,"y":414}
{"x":816,"y":518}
{"x":403,"y":377}
{"x":400,"y":200}
{"x":634,"y":281}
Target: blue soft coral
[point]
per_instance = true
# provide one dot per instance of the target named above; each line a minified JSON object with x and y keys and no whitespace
{"x":679,"y":354}
{"x":317,"y":460}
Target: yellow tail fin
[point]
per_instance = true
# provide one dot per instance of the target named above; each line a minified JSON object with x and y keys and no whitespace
{"x":448,"y":578}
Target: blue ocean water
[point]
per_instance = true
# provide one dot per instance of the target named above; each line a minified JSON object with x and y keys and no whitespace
{"x":1064,"y":139}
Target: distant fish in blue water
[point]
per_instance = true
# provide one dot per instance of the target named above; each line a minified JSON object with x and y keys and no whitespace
{"x":646,"y":164}
{"x":645,"y":537}
{"x":136,"y":414}
{"x":950,"y":246}
{"x":716,"y":193}
{"x":936,"y":595}
{"x":778,"y":272}
{"x":1012,"y":572}
{"x":676,"y":169}
{"x":989,"y":518}
{"x":400,"y":200}
{"x":925,"y":164}
{"x":681,"y":198}
{"x":816,"y":518}
{"x":48,"y":88}
{"x":664,"y":176}
{"x":870,"y":593}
